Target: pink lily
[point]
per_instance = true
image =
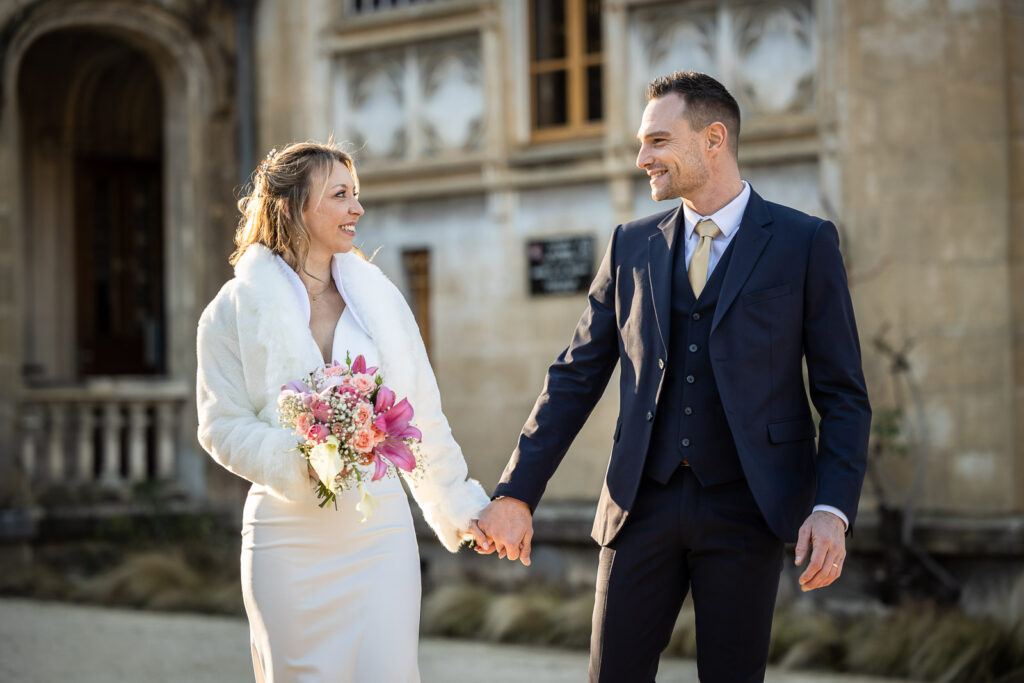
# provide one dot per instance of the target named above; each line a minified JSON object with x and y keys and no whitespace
{"x":359,"y":367}
{"x":397,"y":453}
{"x":380,"y":468}
{"x":296,"y":386}
{"x":385,"y":399}
{"x":394,"y":423}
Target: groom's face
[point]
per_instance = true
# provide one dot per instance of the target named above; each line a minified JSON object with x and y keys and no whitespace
{"x":670,"y":150}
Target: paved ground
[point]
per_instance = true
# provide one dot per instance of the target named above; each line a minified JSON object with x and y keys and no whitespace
{"x":59,"y":643}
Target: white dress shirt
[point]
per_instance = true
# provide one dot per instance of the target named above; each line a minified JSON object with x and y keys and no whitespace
{"x":728,"y":220}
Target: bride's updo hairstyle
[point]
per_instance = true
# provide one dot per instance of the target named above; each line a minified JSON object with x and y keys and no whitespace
{"x":282,"y":186}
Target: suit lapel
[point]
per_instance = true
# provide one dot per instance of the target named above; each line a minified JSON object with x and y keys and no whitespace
{"x":659,"y":270}
{"x":749,"y":242}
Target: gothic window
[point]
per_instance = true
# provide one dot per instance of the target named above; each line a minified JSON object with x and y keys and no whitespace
{"x":565,"y":68}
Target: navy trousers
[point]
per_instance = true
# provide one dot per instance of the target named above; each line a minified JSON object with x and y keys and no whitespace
{"x":680,"y":537}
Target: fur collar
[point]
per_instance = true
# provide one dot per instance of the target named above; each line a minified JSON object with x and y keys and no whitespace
{"x":269,"y":309}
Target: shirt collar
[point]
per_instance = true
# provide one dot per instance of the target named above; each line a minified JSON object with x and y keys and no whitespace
{"x":727,"y":218}
{"x":302,"y":296}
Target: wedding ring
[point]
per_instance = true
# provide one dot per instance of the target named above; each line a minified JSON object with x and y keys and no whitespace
{"x":835,"y":565}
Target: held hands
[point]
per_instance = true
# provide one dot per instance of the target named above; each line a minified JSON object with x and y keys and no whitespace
{"x":825,"y":535}
{"x":509,"y":524}
{"x":481,"y":543}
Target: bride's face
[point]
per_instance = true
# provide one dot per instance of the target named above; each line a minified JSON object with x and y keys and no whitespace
{"x":332,"y":212}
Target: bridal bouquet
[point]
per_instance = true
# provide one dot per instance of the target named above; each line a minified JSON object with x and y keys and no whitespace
{"x":348,"y":424}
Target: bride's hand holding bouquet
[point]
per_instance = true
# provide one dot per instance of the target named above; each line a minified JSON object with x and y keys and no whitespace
{"x":350,"y":427}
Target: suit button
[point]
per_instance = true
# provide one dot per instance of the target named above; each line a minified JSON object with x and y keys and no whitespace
{"x":685,"y":443}
{"x":693,"y":348}
{"x":689,"y":379}
{"x":661,"y":364}
{"x":687,"y":410}
{"x":695,"y":316}
{"x":650,"y":416}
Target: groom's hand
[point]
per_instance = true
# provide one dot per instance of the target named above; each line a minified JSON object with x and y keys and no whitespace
{"x":509,"y":524}
{"x":479,"y":541}
{"x":825,"y":535}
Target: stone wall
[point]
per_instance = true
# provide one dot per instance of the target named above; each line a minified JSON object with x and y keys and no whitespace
{"x":901,"y":119}
{"x":1014,"y":41}
{"x":924,"y":156}
{"x":892,"y":117}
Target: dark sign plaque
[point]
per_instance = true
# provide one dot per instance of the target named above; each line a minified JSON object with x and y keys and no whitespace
{"x":560,"y":266}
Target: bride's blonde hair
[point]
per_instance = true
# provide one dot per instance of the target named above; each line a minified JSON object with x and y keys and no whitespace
{"x":281,"y":188}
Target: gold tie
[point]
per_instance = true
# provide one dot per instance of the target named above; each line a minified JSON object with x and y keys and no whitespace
{"x":699,"y":262}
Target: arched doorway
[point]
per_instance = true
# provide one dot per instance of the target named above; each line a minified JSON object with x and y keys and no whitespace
{"x":117,"y":158}
{"x":92,"y":132}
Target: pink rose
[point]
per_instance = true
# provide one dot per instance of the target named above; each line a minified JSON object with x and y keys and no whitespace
{"x":303,"y":422}
{"x":321,"y":409}
{"x":317,"y":433}
{"x":364,"y":440}
{"x":363,"y":383}
{"x":335,"y":370}
{"x":338,"y":430}
{"x":363,"y":413}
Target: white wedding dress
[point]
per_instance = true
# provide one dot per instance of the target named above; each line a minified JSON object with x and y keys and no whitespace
{"x":330,"y":599}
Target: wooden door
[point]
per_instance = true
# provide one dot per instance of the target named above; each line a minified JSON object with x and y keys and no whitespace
{"x":119,"y":267}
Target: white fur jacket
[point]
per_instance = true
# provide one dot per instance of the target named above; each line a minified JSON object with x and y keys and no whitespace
{"x":253,"y":337}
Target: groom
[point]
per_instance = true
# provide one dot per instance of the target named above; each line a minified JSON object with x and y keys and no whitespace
{"x":710,"y":309}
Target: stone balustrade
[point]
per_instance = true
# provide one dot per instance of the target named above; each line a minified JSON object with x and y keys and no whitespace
{"x":109,"y":432}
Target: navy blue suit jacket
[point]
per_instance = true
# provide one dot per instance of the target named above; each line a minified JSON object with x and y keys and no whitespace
{"x":784,"y":299}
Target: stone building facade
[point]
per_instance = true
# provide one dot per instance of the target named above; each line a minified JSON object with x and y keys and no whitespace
{"x":484,"y":130}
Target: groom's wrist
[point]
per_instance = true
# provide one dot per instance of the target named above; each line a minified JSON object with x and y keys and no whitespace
{"x":835,"y":511}
{"x":514,"y":500}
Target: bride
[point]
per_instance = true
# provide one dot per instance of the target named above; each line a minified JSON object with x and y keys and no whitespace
{"x":328,"y":597}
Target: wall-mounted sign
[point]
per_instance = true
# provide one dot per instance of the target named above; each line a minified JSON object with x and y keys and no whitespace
{"x":560,"y":266}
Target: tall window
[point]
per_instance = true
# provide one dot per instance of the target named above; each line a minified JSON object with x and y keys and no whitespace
{"x":416,"y":263}
{"x":565,"y":68}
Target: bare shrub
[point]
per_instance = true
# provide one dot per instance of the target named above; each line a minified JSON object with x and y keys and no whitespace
{"x":804,"y":639}
{"x":519,"y":618}
{"x":570,"y":622}
{"x":456,"y":611}
{"x":150,"y":580}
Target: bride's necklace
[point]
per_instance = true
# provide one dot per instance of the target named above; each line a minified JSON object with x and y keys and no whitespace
{"x":313,"y":297}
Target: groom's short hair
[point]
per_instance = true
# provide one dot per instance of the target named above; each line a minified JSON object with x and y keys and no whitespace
{"x":706,"y":99}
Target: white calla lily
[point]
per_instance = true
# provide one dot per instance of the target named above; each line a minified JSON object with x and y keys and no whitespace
{"x":366,"y":505}
{"x":326,"y":461}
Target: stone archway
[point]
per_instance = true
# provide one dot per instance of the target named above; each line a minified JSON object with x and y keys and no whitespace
{"x":92,"y":151}
{"x":124,"y":63}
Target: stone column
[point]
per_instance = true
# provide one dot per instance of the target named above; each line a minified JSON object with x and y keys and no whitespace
{"x":10,"y":279}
